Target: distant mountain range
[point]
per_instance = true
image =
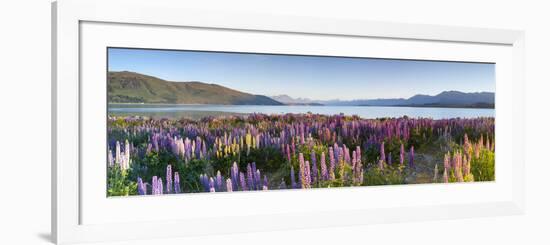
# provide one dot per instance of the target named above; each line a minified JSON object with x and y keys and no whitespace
{"x":287,"y":100}
{"x":131,"y":87}
{"x":443,"y":99}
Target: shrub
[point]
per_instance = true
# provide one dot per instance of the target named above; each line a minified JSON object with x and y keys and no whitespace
{"x":483,"y":168}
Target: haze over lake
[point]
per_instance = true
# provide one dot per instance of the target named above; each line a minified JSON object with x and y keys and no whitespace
{"x":366,"y":112}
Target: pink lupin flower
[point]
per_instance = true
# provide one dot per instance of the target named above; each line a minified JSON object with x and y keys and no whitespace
{"x":324,"y":171}
{"x":302,"y":170}
{"x":347,"y":157}
{"x":308,"y":174}
{"x":458,"y":167}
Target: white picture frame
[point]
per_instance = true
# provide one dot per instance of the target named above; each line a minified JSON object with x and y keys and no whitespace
{"x":68,"y":200}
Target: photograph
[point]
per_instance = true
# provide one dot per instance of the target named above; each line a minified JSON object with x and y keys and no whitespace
{"x":193,"y":121}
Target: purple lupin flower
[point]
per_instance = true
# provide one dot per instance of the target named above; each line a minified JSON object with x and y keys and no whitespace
{"x":235,"y":176}
{"x":253,"y":165}
{"x":206,"y":183}
{"x":177,"y":182}
{"x":250,"y":177}
{"x":198,"y":147}
{"x":324,"y":171}
{"x":141,"y":187}
{"x":402,"y":155}
{"x":411,"y":157}
{"x":336,"y":152}
{"x":389,"y":158}
{"x":242,"y":179}
{"x":169,"y":178}
{"x":314,"y":170}
{"x":154,"y":183}
{"x":293,"y":178}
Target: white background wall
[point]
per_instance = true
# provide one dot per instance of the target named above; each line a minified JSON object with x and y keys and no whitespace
{"x":25,"y":122}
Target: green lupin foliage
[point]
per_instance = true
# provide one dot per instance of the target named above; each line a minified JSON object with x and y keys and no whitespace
{"x":118,"y":183}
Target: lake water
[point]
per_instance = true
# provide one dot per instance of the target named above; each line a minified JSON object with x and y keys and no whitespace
{"x":197,"y":111}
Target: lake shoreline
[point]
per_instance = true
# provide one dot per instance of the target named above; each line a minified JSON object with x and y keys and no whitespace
{"x":320,"y":105}
{"x":366,"y":112}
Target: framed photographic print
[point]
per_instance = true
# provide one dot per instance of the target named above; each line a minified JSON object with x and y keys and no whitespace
{"x":187,"y":123}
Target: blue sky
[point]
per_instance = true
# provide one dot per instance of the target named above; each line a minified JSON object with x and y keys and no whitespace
{"x":313,"y":77}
